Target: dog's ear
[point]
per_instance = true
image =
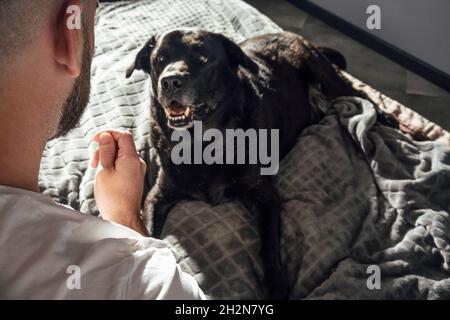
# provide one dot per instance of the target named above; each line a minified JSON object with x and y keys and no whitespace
{"x":142,"y":61}
{"x":237,"y":56}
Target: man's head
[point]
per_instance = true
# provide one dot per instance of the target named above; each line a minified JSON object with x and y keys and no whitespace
{"x":46,"y":48}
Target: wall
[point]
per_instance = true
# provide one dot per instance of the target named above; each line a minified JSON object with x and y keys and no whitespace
{"x":418,"y":27}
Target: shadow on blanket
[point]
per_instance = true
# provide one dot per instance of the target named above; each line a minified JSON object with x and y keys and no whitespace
{"x":355,"y":194}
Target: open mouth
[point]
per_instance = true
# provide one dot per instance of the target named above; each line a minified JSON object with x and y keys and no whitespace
{"x":178,"y":115}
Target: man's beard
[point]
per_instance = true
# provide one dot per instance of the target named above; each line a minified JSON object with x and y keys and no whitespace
{"x":78,"y":99}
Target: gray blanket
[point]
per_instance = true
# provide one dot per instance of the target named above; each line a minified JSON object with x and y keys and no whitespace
{"x":357,"y":196}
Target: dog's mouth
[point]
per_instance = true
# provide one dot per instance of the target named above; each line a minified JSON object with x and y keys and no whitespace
{"x":180,"y":116}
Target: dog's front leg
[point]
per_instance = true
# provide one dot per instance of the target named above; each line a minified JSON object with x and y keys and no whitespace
{"x":262,"y":200}
{"x":157,"y":206}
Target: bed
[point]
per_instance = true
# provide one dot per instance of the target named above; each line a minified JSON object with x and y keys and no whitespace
{"x":365,"y":206}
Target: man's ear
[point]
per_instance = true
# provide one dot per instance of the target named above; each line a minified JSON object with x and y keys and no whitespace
{"x":237,"y":56}
{"x":69,"y":42}
{"x":142,"y":61}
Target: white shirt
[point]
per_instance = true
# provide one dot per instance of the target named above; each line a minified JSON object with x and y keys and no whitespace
{"x":48,"y":251}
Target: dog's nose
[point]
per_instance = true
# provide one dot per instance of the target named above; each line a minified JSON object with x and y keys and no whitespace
{"x":172,"y":84}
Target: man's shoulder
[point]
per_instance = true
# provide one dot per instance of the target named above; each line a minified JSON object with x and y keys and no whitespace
{"x":53,"y":244}
{"x":24,"y":208}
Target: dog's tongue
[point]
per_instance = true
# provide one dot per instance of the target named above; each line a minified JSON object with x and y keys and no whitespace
{"x":176,"y":108}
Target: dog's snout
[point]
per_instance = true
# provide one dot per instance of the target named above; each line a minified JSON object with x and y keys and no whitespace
{"x":172,"y":84}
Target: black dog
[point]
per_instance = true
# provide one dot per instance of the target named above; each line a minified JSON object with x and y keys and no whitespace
{"x":262,"y":84}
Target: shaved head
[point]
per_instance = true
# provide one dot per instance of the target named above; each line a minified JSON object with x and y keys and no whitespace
{"x":46,"y":49}
{"x":20,"y":22}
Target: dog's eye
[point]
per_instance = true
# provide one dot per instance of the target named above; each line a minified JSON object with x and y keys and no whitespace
{"x":161,"y":59}
{"x":203,"y":58}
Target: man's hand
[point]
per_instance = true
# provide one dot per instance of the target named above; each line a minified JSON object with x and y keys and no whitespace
{"x":120,"y":179}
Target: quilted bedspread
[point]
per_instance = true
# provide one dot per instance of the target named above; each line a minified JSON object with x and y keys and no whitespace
{"x":357,"y":196}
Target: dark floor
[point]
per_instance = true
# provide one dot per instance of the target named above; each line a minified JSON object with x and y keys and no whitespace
{"x":364,"y":63}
